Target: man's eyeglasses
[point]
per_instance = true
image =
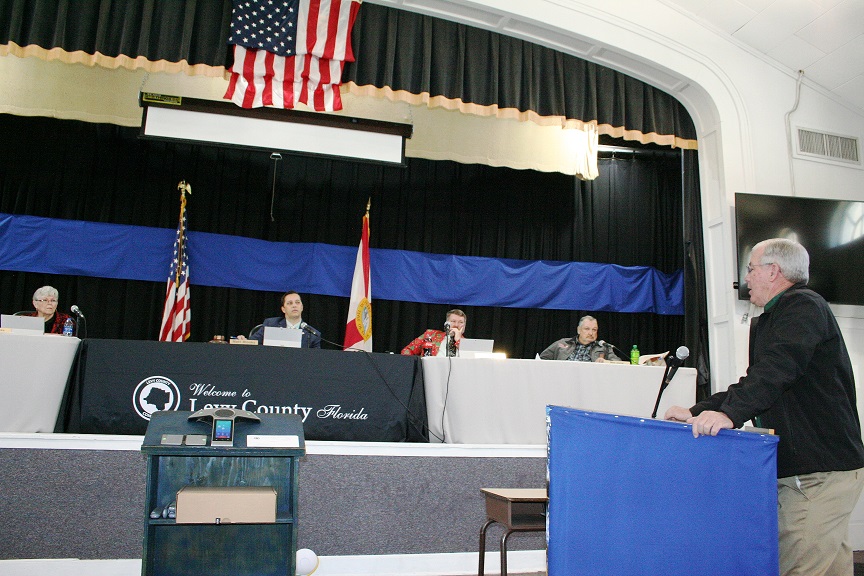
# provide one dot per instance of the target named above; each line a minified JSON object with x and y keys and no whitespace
{"x":47,"y":300}
{"x":750,"y":268}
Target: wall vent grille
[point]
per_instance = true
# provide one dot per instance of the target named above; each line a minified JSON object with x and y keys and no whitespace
{"x":829,"y":146}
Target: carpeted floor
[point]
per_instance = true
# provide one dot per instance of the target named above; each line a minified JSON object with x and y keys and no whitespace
{"x":858,"y":559}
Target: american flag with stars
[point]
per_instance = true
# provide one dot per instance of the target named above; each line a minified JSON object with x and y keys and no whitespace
{"x":177,"y":315}
{"x":290,"y":51}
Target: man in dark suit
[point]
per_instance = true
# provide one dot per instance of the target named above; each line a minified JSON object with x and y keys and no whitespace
{"x":292,"y":310}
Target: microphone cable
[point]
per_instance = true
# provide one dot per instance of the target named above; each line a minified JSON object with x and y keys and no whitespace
{"x":446,"y":394}
{"x":412,"y":418}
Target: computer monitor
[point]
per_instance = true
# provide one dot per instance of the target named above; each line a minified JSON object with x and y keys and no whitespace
{"x":475,"y":348}
{"x":23,"y":324}
{"x":285,"y":337}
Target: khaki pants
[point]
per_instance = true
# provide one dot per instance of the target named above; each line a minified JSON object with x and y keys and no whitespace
{"x":814,"y":512}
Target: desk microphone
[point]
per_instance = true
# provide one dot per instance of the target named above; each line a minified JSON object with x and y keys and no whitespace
{"x":306,"y":328}
{"x":77,"y":311}
{"x":447,"y":329}
{"x":604,"y":344}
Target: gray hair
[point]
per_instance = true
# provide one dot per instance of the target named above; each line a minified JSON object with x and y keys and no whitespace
{"x":583,"y":319}
{"x":790,"y":256}
{"x":45,"y":291}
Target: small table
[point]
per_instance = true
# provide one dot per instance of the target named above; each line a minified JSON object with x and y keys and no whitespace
{"x":518,"y":510}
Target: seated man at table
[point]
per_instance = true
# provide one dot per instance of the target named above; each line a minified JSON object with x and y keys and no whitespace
{"x":429,"y":343}
{"x":45,"y":301}
{"x":292,"y":310}
{"x":581,"y":348}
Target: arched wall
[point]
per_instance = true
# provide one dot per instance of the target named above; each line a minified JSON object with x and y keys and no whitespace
{"x":738,"y":101}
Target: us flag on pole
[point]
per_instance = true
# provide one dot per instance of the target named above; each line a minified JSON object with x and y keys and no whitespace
{"x":290,"y":51}
{"x":176,"y":315}
{"x":358,"y":330}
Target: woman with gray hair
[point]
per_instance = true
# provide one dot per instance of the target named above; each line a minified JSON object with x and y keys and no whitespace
{"x":45,"y":302}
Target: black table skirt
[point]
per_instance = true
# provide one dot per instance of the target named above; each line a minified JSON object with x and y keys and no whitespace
{"x":117,"y":384}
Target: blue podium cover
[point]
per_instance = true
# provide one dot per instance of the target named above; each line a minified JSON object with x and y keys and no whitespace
{"x":642,"y":497}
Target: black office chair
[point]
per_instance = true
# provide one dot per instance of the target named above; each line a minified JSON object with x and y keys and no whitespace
{"x":23,"y":312}
{"x":255,"y":329}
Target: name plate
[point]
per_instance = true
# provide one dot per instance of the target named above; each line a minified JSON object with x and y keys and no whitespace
{"x":272,"y":441}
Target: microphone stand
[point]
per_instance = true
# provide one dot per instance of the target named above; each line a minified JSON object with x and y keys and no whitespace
{"x":663,"y":384}
{"x":82,"y":322}
{"x":623,"y":354}
{"x":450,"y":343}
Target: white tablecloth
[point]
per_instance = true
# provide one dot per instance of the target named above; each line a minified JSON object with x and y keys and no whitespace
{"x":486,"y":401}
{"x":33,"y":374}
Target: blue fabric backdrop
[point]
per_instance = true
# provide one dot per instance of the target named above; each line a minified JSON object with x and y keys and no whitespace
{"x":54,"y":246}
{"x":644,"y":497}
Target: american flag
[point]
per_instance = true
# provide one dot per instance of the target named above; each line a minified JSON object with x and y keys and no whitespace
{"x":176,"y":315}
{"x":289,"y":51}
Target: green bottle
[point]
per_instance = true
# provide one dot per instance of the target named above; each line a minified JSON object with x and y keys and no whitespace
{"x":634,"y":355}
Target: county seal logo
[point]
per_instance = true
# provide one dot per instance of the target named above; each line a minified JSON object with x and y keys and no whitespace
{"x":364,"y":319}
{"x":155,"y":393}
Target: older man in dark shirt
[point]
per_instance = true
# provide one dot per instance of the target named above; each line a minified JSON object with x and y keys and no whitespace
{"x":800,"y":384}
{"x":583,"y":347}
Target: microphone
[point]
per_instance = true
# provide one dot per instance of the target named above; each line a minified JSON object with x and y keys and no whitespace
{"x":675,"y":362}
{"x":307,"y":328}
{"x":77,"y":311}
{"x":449,"y":341}
{"x":447,"y":330}
{"x":604,"y":344}
{"x":672,"y":365}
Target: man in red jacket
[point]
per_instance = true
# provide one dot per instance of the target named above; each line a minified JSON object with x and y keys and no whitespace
{"x":429,"y":343}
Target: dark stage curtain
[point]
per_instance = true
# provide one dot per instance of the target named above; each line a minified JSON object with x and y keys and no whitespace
{"x":695,"y":292}
{"x":421,"y":56}
{"x":435,"y":58}
{"x":631,"y":215}
{"x":192,"y":31}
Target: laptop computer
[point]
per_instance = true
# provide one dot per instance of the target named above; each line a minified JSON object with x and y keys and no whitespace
{"x":285,"y":337}
{"x":22,"y":324}
{"x":476,"y":348}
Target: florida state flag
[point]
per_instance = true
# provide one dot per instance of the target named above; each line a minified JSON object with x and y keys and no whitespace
{"x":358,"y":330}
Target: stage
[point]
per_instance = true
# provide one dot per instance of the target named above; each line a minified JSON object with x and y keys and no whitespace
{"x":365,"y":507}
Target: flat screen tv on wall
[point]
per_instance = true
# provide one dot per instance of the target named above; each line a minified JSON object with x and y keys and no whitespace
{"x":831,"y":230}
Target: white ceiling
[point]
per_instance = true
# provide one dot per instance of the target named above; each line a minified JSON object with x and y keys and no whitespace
{"x":824,"y":38}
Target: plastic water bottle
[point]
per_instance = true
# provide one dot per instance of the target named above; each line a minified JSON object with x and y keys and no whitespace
{"x":634,"y":355}
{"x":68,"y":327}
